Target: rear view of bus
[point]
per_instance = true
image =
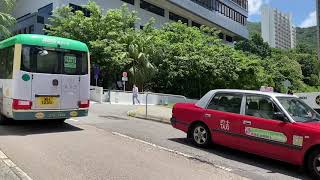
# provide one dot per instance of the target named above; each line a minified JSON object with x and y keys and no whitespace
{"x":44,"y":77}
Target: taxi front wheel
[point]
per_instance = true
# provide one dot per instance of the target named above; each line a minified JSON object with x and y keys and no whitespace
{"x":201,"y":135}
{"x":313,"y":164}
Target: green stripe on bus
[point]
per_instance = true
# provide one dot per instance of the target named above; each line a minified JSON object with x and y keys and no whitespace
{"x":45,"y":41}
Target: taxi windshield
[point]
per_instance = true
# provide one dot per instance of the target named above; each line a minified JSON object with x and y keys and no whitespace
{"x":298,"y":110}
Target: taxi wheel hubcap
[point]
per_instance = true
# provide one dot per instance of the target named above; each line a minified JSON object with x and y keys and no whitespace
{"x":316,"y":164}
{"x":200,"y":135}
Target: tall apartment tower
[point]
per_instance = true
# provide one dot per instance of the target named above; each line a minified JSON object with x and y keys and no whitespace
{"x":318,"y":27}
{"x":277,"y":28}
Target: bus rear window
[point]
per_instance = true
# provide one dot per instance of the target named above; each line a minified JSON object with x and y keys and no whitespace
{"x":53,"y":61}
{"x":48,"y":64}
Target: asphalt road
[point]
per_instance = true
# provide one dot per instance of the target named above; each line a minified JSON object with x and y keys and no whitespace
{"x":91,"y":148}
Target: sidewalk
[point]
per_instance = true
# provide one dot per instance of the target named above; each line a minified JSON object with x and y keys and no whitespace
{"x":155,"y":113}
{"x":8,"y":173}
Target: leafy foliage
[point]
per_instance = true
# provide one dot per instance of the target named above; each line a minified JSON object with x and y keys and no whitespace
{"x":254,"y":28}
{"x":255,"y":45}
{"x":6,"y":19}
{"x":307,"y":37}
{"x":178,"y":59}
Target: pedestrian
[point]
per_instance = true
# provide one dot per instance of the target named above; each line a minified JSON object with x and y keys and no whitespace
{"x":135,"y":92}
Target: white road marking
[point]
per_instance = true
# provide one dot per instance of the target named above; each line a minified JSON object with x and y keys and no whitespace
{"x":15,"y":169}
{"x":2,"y":155}
{"x":73,"y":120}
{"x":169,"y":150}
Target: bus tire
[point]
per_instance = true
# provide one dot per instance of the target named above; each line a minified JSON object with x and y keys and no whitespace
{"x":4,"y":120}
{"x":61,"y":121}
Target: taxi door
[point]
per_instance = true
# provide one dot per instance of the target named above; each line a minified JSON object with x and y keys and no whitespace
{"x":223,"y":118}
{"x":262,"y":133}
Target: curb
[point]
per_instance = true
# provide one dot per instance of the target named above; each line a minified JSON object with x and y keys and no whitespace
{"x":134,"y":114}
{"x":13,"y":167}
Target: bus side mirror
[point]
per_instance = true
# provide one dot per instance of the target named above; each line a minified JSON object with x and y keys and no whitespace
{"x":43,"y":52}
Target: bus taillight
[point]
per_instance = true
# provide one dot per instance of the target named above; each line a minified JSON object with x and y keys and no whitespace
{"x":84,"y":104}
{"x":21,"y":104}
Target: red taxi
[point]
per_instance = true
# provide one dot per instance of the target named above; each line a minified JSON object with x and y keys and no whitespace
{"x":274,"y":125}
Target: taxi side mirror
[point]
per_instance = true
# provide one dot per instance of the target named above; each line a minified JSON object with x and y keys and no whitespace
{"x":280,"y":116}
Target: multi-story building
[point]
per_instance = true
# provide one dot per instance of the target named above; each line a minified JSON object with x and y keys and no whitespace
{"x":229,"y":16}
{"x":277,"y":28}
{"x":318,"y":27}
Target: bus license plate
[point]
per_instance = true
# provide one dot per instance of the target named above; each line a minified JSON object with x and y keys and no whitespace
{"x":48,"y":102}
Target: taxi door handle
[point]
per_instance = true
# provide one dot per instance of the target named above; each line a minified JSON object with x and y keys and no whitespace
{"x":207,"y":115}
{"x":245,"y":122}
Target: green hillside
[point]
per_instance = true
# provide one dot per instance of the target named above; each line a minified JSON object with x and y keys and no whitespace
{"x":307,"y":36}
{"x":254,"y":27}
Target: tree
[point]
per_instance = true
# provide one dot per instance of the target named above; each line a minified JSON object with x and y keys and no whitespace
{"x":103,"y":33}
{"x":6,"y":19}
{"x":178,"y":59}
{"x":281,"y":67}
{"x":137,"y":52}
{"x":194,"y":61}
{"x":255,"y":45}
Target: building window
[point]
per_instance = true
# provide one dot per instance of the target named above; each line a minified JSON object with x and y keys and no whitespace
{"x":129,"y":1}
{"x":40,"y":19}
{"x":221,"y":35}
{"x":229,"y":38}
{"x":31,"y":29}
{"x":230,"y":13}
{"x":152,"y":8}
{"x":208,"y":4}
{"x":194,"y":24}
{"x":75,"y":8}
{"x":175,"y":17}
{"x":242,"y":3}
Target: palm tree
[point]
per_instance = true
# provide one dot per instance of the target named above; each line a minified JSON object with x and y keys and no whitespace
{"x":138,"y":51}
{"x":6,"y":19}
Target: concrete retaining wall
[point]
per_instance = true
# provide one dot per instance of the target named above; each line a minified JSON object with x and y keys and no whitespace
{"x":119,"y":97}
{"x":96,"y":94}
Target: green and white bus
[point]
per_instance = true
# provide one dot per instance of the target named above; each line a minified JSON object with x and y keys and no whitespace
{"x":43,"y":77}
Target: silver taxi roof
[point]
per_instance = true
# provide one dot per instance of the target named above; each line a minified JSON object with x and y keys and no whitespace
{"x":206,"y":98}
{"x":272,"y":94}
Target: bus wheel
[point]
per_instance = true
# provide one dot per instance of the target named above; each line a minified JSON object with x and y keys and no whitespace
{"x":60,"y":121}
{"x":3,"y":120}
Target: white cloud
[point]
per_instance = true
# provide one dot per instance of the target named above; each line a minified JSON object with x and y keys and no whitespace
{"x":255,"y":6}
{"x":311,"y":20}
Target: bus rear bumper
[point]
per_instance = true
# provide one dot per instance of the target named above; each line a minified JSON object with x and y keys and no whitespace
{"x":39,"y":115}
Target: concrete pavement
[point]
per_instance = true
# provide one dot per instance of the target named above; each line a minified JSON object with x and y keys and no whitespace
{"x":110,"y":145}
{"x":155,"y":113}
{"x":81,"y":149}
{"x":6,"y":172}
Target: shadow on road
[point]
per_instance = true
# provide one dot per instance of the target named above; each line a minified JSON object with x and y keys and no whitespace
{"x":23,"y":128}
{"x":271,"y":165}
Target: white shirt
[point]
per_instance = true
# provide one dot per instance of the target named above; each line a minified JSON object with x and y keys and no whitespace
{"x":135,"y":91}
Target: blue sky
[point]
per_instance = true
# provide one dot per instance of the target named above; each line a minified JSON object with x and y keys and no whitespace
{"x":303,"y":11}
